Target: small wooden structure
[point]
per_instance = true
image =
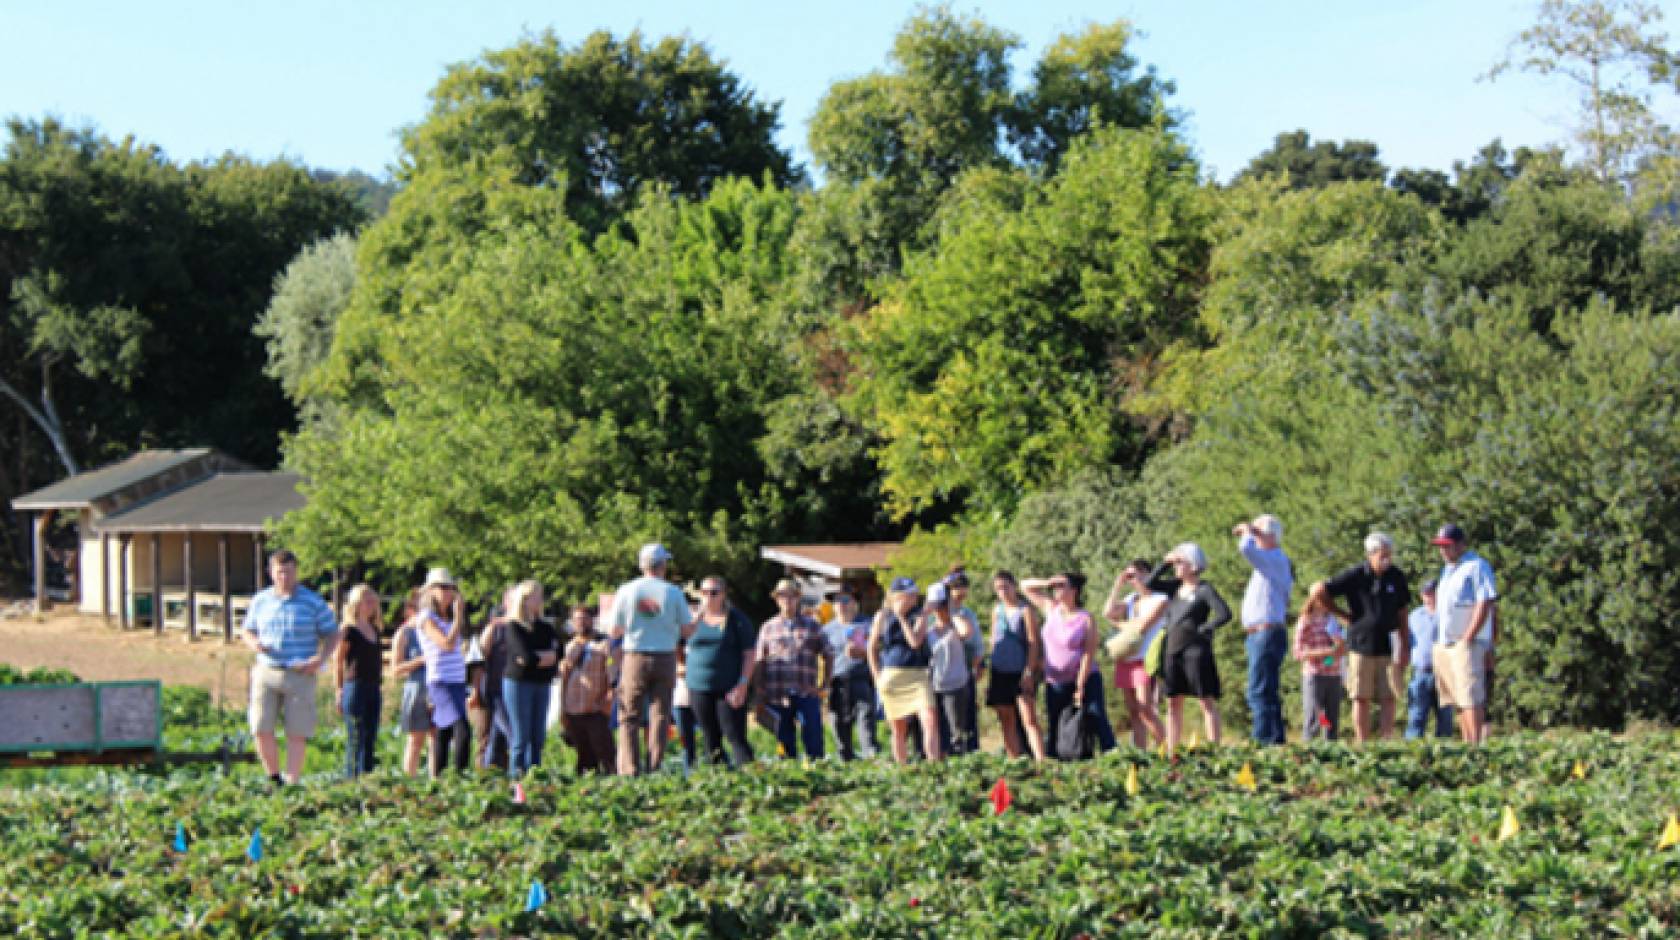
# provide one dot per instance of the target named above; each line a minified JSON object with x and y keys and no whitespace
{"x":81,"y":723}
{"x":78,"y":723}
{"x":824,"y":569}
{"x":197,"y":554}
{"x":109,"y":490}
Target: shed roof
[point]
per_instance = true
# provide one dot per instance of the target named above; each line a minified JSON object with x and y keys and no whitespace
{"x":835,"y":561}
{"x":79,"y":491}
{"x":227,"y":502}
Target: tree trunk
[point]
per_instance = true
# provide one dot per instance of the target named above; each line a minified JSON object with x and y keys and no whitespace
{"x":46,"y":417}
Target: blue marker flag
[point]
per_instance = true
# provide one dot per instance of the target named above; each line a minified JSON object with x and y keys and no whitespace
{"x":180,"y":838}
{"x":537,"y":898}
{"x":254,"y":851}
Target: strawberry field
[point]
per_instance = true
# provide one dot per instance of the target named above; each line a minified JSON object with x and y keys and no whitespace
{"x":1400,"y":840}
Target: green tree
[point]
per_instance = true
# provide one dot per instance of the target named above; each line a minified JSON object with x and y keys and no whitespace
{"x":621,"y":388}
{"x":299,"y":323}
{"x":1086,"y":80}
{"x":1614,"y":55}
{"x":997,"y":365}
{"x":601,"y":120}
{"x":1307,"y":165}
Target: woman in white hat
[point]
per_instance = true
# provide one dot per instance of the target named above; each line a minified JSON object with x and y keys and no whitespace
{"x":1194,"y":611}
{"x":899,"y":657}
{"x":441,"y":638}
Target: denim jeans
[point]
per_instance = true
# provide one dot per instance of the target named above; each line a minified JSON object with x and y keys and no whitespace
{"x":1266,"y":650}
{"x":807,"y":710}
{"x":1058,"y":698}
{"x":359,"y":703}
{"x":1421,"y":702}
{"x":851,"y":707}
{"x":526,"y":705}
{"x":688,"y":723}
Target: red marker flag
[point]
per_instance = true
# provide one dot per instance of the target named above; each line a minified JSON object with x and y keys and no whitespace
{"x":1001,"y":797}
{"x":1324,"y":720}
{"x":518,"y":793}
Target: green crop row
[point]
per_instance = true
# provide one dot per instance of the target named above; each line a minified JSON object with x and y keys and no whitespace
{"x":1396,"y":840}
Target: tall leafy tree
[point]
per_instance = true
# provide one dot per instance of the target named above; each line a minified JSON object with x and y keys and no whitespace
{"x":1616,"y":57}
{"x":999,"y":363}
{"x":300,"y":320}
{"x":601,"y":120}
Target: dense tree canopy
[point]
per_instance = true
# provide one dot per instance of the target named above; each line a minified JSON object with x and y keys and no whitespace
{"x":128,"y":288}
{"x":601,"y":120}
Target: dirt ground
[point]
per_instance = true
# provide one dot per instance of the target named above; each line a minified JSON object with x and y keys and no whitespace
{"x":64,"y":639}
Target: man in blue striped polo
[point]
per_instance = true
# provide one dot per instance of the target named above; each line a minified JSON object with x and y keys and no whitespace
{"x":293,"y":633}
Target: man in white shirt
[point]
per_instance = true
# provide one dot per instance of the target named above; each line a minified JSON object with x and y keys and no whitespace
{"x":1466,"y":604}
{"x":1264,"y":608}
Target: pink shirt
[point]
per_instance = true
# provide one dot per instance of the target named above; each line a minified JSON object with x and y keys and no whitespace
{"x":1064,"y":643}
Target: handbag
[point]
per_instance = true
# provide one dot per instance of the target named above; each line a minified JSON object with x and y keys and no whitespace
{"x":1074,"y":737}
{"x":1126,"y":643}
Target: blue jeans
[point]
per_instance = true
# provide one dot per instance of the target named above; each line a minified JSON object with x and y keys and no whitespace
{"x":1266,"y":650}
{"x":851,"y":706}
{"x":807,"y":710}
{"x":359,"y":703}
{"x":526,"y":704}
{"x":1420,"y":703}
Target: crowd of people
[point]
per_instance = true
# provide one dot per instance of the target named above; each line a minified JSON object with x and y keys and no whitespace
{"x":660,"y":668}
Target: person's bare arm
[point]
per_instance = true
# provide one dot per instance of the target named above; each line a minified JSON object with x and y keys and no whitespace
{"x":1321,"y":593}
{"x":1479,"y":615}
{"x":872,"y":650}
{"x":1035,"y":642}
{"x":1114,"y":610}
{"x":1036,"y":591}
{"x":401,"y":667}
{"x":341,"y":653}
{"x":1086,"y":659}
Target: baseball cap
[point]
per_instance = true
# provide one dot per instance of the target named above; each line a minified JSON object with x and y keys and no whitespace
{"x":653,"y":553}
{"x":1449,"y":534}
{"x":1429,"y":586}
{"x":938,"y":593}
{"x":902,"y":585}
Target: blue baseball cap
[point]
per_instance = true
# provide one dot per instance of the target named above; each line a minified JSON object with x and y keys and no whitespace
{"x":903,"y":585}
{"x":1449,"y":534}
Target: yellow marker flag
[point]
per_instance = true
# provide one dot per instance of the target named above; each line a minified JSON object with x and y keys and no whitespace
{"x":1163,"y":750}
{"x":1245,"y":778}
{"x":1508,"y":825}
{"x":1195,"y":741}
{"x":1133,"y":787}
{"x":1580,"y":771}
{"x":1670,"y":834}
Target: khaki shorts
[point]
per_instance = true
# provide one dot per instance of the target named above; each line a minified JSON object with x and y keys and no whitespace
{"x":647,"y":678}
{"x":1461,"y":675}
{"x":1368,"y":678}
{"x":282,"y":693}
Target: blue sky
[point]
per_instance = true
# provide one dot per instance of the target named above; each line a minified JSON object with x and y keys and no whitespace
{"x":328,"y":83}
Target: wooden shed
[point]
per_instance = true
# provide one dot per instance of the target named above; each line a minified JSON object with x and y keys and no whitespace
{"x":195,"y":557}
{"x":824,"y":569}
{"x":97,"y":494}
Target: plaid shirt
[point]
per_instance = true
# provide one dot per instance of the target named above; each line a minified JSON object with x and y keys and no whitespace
{"x":789,"y":653}
{"x":1317,"y":633}
{"x":589,"y":682}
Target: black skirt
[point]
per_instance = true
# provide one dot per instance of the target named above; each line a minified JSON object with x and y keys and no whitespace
{"x":1191,"y":671}
{"x":1004,"y":688}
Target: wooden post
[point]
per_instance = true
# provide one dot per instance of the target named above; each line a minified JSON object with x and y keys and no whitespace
{"x":125,"y":550}
{"x":157,"y":584}
{"x":43,"y":519}
{"x":105,"y":576}
{"x":227,"y":589}
{"x":192,"y":592}
{"x":258,"y":560}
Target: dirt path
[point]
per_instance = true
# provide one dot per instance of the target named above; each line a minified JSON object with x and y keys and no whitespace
{"x":95,"y":652}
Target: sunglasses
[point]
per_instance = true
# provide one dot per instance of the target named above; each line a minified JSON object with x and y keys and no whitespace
{"x":1058,"y":585}
{"x":710,"y":592}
